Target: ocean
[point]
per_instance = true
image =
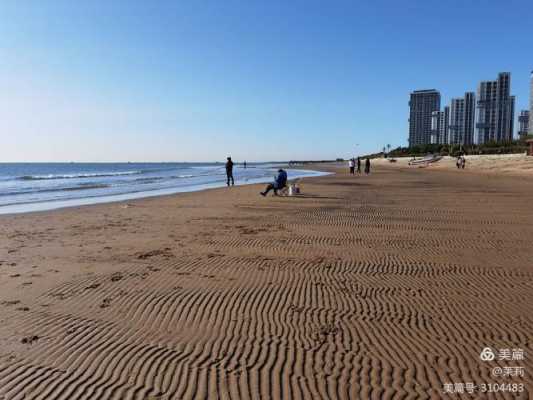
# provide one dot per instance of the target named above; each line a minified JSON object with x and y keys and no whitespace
{"x":26,"y":187}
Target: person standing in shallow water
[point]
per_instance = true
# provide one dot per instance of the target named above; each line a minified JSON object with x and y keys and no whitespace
{"x":229,"y":172}
{"x":358,"y":165}
{"x":367,"y":166}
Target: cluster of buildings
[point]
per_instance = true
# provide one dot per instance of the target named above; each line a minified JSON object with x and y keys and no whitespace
{"x":475,"y":118}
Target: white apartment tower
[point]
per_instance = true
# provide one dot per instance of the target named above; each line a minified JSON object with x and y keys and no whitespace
{"x":439,"y":126}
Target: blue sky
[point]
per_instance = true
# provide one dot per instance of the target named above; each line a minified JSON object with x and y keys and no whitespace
{"x":268,"y":80}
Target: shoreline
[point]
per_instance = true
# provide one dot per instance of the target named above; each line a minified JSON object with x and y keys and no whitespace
{"x":23,"y":208}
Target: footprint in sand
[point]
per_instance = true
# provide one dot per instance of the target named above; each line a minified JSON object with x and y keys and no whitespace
{"x":29,"y":339}
{"x":117,"y":276}
{"x":106,"y":302}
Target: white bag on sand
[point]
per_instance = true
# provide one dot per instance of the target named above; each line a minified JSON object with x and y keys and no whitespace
{"x":293,"y":190}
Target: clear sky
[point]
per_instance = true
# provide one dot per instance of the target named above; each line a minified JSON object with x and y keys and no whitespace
{"x":258,"y":80}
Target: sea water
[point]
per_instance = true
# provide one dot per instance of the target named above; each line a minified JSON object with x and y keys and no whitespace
{"x":26,"y":187}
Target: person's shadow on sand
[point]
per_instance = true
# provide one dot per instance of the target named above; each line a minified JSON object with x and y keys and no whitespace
{"x":313,"y":196}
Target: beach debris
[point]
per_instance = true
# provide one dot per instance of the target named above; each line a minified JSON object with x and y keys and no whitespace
{"x":212,"y":255}
{"x":166,"y":253}
{"x":10,"y":302}
{"x":92,"y":286}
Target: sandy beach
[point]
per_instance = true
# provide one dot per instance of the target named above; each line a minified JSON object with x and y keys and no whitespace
{"x":497,"y":164}
{"x":385,"y":286}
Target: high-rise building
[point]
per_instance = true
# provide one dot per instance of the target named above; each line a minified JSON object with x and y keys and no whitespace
{"x":531,"y":105}
{"x":457,"y":121}
{"x":422,"y":104}
{"x":445,"y":126}
{"x":436,"y":121}
{"x":470,"y":118}
{"x":495,"y":110}
{"x":524,"y":124}
{"x":461,"y":120}
{"x":439,"y":126}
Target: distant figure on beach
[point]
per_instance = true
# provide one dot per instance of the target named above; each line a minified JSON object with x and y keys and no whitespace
{"x":279,"y":183}
{"x":244,"y":164}
{"x":461,"y":162}
{"x":229,"y":172}
{"x":367,"y":166}
{"x":358,"y":165}
{"x":351,"y":165}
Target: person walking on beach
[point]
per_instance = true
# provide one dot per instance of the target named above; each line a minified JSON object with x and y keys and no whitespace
{"x":229,"y":172}
{"x":358,"y":165}
{"x":244,"y":164}
{"x":351,"y":164}
{"x":279,"y":183}
{"x":367,"y":166}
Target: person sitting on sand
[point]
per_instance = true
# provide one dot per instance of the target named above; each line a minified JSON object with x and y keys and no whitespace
{"x":229,"y":172}
{"x":279,"y":183}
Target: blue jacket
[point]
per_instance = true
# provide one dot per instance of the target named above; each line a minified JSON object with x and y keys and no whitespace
{"x":280,"y":180}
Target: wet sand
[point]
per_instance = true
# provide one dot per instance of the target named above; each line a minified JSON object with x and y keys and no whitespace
{"x":385,"y":286}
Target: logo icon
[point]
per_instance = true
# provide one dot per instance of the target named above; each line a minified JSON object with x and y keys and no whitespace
{"x":487,"y":354}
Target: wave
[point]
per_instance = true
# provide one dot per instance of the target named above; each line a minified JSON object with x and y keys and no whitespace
{"x":52,"y":190}
{"x":150,"y":180}
{"x":77,"y":176}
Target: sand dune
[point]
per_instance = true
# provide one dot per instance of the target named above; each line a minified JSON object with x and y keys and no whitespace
{"x":378,"y":287}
